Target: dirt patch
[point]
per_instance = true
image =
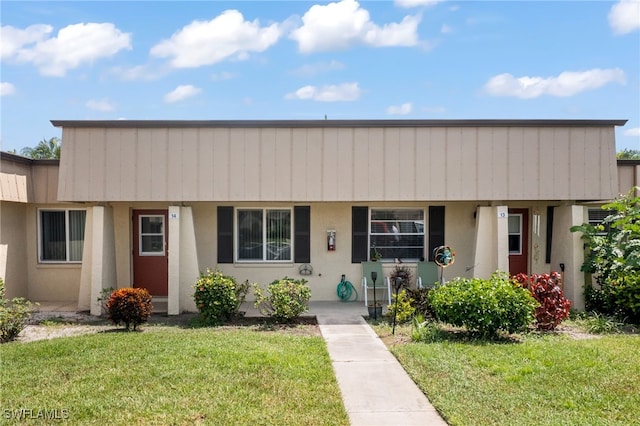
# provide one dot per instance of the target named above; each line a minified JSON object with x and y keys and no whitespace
{"x":51,"y":325}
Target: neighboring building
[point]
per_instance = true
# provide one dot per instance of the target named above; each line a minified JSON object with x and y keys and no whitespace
{"x":153,"y":203}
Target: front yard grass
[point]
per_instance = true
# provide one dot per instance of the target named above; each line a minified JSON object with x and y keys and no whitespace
{"x":173,"y":376}
{"x":538,"y":379}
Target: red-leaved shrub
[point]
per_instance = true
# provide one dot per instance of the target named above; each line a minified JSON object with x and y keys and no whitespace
{"x":130,"y":306}
{"x":545,"y":288}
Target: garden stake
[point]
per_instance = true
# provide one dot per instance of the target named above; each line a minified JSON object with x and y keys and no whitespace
{"x":398,"y":284}
{"x":374,"y":277}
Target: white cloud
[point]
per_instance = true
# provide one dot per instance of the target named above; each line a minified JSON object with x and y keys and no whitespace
{"x":139,"y":72}
{"x":181,"y":93}
{"x":403,"y":109}
{"x":337,"y":26}
{"x":7,"y":89}
{"x":314,"y":69}
{"x":100,"y":105}
{"x":415,"y":3}
{"x":634,"y":131}
{"x":624,"y":16}
{"x":227,"y":36}
{"x":329,"y":93}
{"x":13,"y":39}
{"x":74,"y":45}
{"x":446,"y":29}
{"x":567,"y":83}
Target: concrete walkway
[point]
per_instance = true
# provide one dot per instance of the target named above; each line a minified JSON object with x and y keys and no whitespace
{"x":375,"y":388}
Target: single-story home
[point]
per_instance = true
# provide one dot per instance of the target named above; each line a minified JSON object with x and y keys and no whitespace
{"x":153,"y":203}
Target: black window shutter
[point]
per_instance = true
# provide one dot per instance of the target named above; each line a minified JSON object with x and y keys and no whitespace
{"x":547,"y":255}
{"x":436,"y":229}
{"x":225,"y":234}
{"x":302,"y":232}
{"x":359,"y":234}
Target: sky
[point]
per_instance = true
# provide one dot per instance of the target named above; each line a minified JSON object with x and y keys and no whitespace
{"x":305,"y":60}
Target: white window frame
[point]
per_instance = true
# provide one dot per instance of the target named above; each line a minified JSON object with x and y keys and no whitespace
{"x":264,"y":211}
{"x":423,"y":233}
{"x":66,"y":231}
{"x":520,"y":231}
{"x":141,"y":234}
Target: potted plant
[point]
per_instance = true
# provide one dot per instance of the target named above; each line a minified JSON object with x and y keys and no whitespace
{"x":375,"y":254}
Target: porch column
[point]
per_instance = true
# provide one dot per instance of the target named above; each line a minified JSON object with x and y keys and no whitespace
{"x":98,"y":260}
{"x":173,"y":299}
{"x":568,"y":249}
{"x":183,"y":260}
{"x":491,"y":250}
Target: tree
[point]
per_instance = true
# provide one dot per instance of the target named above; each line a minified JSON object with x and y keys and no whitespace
{"x":46,"y":149}
{"x":613,"y":256}
{"x":628,"y":154}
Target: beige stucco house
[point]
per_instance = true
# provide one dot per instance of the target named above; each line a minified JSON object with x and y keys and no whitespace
{"x":153,"y":203}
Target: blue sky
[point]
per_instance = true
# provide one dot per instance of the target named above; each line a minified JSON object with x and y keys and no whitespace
{"x":405,"y":59}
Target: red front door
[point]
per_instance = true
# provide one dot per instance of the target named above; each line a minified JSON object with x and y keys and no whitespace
{"x":518,"y":241}
{"x":150,"y":257}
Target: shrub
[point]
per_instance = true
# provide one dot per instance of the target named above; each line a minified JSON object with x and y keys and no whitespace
{"x":420,"y":301}
{"x":403,"y":309}
{"x":287,"y":299}
{"x":218,"y":297}
{"x":130,"y":306}
{"x":625,"y":294}
{"x":14,"y":314}
{"x":425,"y":330}
{"x":553,"y":306}
{"x":484,"y":306}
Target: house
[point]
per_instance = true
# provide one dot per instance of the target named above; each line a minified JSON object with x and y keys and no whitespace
{"x":153,"y":203}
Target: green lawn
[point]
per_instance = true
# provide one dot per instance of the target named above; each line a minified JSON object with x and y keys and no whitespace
{"x":168,"y":375}
{"x":539,"y":380}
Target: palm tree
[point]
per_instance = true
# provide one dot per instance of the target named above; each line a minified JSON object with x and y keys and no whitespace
{"x":46,"y":149}
{"x":628,"y":154}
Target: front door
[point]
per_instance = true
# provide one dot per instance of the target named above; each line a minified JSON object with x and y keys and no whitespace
{"x":518,"y":241}
{"x":150,"y":257}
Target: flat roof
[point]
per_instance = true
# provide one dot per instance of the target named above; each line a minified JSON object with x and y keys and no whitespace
{"x":332,"y":123}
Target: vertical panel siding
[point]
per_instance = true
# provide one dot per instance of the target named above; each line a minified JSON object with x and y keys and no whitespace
{"x":498,"y":165}
{"x":223,"y":177}
{"x":337,"y":164}
{"x":469,"y":164}
{"x":547,"y":164}
{"x":190,"y":156}
{"x":143,"y":165}
{"x":159,"y":164}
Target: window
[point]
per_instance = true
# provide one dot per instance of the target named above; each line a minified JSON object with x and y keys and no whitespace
{"x":61,"y":235}
{"x":396,"y":234}
{"x":515,"y":234}
{"x":264,"y":235}
{"x":596,"y":216}
{"x":151,"y":235}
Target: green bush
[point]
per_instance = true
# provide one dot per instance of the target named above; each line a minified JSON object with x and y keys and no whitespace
{"x":14,"y":315}
{"x":484,"y":306}
{"x":625,"y":295}
{"x":420,"y":301}
{"x":218,"y":297}
{"x":286,"y":300}
{"x":129,"y":306}
{"x":403,"y":309}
